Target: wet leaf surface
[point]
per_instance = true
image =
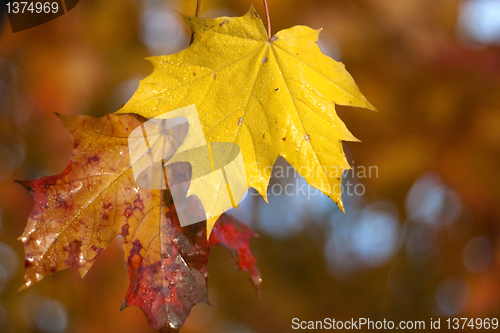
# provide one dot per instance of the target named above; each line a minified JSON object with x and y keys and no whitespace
{"x":270,"y":97}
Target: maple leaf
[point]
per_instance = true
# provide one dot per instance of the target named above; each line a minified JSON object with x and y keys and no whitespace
{"x":79,"y":212}
{"x":271,"y":97}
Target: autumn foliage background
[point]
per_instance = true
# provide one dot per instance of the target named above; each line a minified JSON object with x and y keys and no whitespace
{"x":423,"y":240}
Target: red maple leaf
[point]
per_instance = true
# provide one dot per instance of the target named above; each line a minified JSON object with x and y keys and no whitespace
{"x":79,"y":212}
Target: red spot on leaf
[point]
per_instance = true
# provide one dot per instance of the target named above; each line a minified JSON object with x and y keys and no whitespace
{"x":97,"y":249}
{"x":135,"y":258}
{"x":74,"y":250}
{"x":136,"y":248}
{"x":60,"y":202}
{"x":125,"y":229}
{"x":138,"y":204}
{"x":94,"y":159}
{"x":129,"y":212}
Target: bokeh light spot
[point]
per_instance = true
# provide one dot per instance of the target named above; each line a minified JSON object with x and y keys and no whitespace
{"x":162,"y":29}
{"x":51,"y":316}
{"x":431,"y":202}
{"x":452,"y":295}
{"x":477,"y":254}
{"x":9,"y":260}
{"x":365,"y":239}
{"x":479,"y":20}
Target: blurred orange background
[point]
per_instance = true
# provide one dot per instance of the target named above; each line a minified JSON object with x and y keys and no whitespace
{"x":420,"y":238}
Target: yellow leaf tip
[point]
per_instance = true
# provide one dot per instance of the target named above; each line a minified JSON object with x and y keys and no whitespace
{"x":340,"y":204}
{"x":252,"y":11}
{"x":353,"y":139}
{"x":210,"y":225}
{"x":371,"y":107}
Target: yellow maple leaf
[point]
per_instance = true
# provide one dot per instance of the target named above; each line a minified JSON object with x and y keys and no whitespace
{"x":270,"y":97}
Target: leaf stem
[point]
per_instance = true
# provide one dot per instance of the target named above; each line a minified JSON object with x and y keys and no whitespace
{"x":198,"y":5}
{"x":197,"y":13}
{"x":268,"y":21}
